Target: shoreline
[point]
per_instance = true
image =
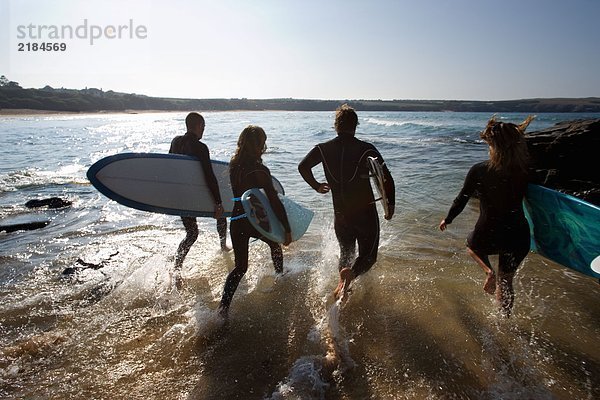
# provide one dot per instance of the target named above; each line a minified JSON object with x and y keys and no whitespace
{"x":30,"y":112}
{"x":24,"y":112}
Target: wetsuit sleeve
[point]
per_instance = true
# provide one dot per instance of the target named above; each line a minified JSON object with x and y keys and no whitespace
{"x":306,"y":165}
{"x":264,"y":180}
{"x":201,"y":151}
{"x":468,"y":190}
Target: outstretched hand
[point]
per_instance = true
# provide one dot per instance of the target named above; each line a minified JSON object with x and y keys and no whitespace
{"x":443,"y":225}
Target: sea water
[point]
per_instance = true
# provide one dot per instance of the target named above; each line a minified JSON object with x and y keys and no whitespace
{"x":417,"y":325}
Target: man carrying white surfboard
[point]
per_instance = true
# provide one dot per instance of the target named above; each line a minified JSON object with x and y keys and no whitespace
{"x":190,"y":144}
{"x":346,"y":167}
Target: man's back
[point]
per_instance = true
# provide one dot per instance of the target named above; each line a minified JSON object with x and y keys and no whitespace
{"x":189,"y":145}
{"x":347,"y":172}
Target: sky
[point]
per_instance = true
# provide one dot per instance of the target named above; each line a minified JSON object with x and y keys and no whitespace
{"x":309,"y":49}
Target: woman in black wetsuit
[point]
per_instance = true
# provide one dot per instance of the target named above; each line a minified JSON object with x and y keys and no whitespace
{"x":246,"y":171}
{"x":500,"y":184}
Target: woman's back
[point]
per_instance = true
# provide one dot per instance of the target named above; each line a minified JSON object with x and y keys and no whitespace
{"x":500,"y":193}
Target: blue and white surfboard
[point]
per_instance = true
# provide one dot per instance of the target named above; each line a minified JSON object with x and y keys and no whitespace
{"x":162,"y":183}
{"x":260,"y":214}
{"x":564,"y":229}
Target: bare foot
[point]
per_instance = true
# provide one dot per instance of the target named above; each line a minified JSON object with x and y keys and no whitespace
{"x":490,"y":283}
{"x":343,"y":288}
{"x":345,"y":293}
{"x":338,"y":289}
{"x":331,"y":361}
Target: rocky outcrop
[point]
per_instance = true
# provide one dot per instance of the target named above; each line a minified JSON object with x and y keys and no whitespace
{"x":28,"y":226}
{"x":566,"y":157}
{"x":52,"y":202}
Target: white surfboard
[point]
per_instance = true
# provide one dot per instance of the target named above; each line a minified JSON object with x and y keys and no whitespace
{"x":162,"y":183}
{"x":262,"y":217}
{"x":378,"y":180}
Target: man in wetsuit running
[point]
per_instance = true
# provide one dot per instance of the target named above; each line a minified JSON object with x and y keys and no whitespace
{"x":344,"y":162}
{"x":189,"y":144}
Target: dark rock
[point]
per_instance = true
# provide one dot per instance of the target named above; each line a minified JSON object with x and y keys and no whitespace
{"x":564,"y":158}
{"x":52,"y":202}
{"x":29,"y":226}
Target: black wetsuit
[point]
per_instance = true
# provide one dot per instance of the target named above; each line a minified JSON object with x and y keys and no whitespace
{"x":501,"y":228}
{"x":345,"y":164}
{"x":189,"y":144}
{"x":244,"y":178}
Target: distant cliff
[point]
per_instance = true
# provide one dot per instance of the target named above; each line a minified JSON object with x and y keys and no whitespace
{"x":12,"y":96}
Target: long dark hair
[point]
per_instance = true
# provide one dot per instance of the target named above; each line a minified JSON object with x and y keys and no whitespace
{"x":508,"y":149}
{"x":250,"y":147}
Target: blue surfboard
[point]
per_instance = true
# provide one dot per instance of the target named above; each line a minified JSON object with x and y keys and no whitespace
{"x":262,"y":217}
{"x":564,"y":229}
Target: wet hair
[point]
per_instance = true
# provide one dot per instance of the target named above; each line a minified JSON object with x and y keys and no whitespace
{"x":508,"y":149}
{"x":346,"y":120}
{"x":193,"y":119}
{"x":250,"y":146}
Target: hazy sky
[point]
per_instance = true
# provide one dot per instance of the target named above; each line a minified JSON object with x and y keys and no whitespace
{"x":313,"y":49}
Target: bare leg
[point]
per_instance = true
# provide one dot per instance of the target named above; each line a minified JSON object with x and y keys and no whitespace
{"x":489,"y":285}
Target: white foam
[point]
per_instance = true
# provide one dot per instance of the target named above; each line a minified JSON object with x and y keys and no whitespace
{"x":390,"y":123}
{"x":205,"y":321}
{"x":303,"y":382}
{"x":150,"y":282}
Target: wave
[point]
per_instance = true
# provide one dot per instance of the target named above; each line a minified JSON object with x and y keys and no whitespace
{"x":391,"y":123}
{"x":32,"y":177}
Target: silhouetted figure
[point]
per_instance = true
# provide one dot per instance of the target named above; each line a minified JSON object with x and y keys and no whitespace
{"x":190,"y":144}
{"x":500,"y":184}
{"x":356,"y":220}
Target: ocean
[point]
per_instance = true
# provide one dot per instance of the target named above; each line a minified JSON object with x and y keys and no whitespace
{"x":416,"y":326}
